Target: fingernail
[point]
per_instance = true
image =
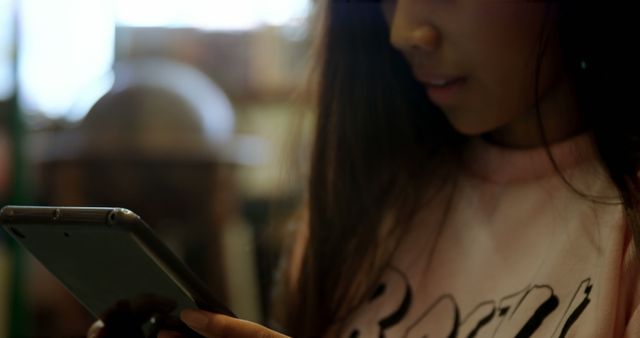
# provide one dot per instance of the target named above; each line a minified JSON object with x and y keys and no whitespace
{"x":194,"y":318}
{"x":169,"y":334}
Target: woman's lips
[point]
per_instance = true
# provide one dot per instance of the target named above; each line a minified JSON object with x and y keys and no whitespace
{"x":442,"y":88}
{"x":445,"y":94}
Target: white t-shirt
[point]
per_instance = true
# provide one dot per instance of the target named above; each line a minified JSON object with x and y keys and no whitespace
{"x":516,"y":254}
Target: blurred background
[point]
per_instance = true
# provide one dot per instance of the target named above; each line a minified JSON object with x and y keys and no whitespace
{"x":192,"y":113}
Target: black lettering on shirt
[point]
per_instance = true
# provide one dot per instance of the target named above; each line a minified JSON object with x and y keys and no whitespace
{"x":393,"y":293}
{"x":520,"y":314}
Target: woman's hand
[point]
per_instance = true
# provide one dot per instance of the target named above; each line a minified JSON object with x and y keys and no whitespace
{"x":213,"y":325}
{"x":141,"y":317}
{"x":126,"y":319}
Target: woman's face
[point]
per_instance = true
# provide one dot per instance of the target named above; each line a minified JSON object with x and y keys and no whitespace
{"x":477,"y":59}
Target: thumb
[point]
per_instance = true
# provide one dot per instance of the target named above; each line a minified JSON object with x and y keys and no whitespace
{"x":95,"y":330}
{"x":213,"y":325}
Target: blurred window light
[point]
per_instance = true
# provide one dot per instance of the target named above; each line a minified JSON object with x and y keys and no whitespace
{"x":65,"y":45}
{"x":211,"y":14}
{"x":7,"y":81}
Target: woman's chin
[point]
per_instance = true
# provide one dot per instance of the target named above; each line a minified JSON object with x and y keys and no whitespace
{"x":471,"y":128}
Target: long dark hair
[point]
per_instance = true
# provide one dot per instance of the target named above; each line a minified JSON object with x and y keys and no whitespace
{"x":380,"y":144}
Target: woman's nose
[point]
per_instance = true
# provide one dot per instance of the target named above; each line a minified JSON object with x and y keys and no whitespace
{"x":410,"y":32}
{"x":425,"y":38}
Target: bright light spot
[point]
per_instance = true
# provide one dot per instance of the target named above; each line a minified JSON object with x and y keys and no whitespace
{"x":7,"y":82}
{"x":89,"y":96}
{"x":210,"y":14}
{"x":65,"y":46}
{"x":282,"y":12}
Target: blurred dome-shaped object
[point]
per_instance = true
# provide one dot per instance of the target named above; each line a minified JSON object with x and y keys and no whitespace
{"x":210,"y":103}
{"x":155,"y":108}
{"x":145,"y":121}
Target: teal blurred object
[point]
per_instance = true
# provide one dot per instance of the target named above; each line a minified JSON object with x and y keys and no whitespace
{"x":18,"y":326}
{"x":18,"y":194}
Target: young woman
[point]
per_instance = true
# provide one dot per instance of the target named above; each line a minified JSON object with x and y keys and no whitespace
{"x":474,"y":174}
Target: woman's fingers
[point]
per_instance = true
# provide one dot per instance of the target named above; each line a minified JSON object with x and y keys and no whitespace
{"x":170,"y":334}
{"x":141,"y":316}
{"x":95,"y":329}
{"x":212,"y":325}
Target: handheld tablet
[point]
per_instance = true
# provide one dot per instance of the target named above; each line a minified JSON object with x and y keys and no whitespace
{"x":106,"y":255}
